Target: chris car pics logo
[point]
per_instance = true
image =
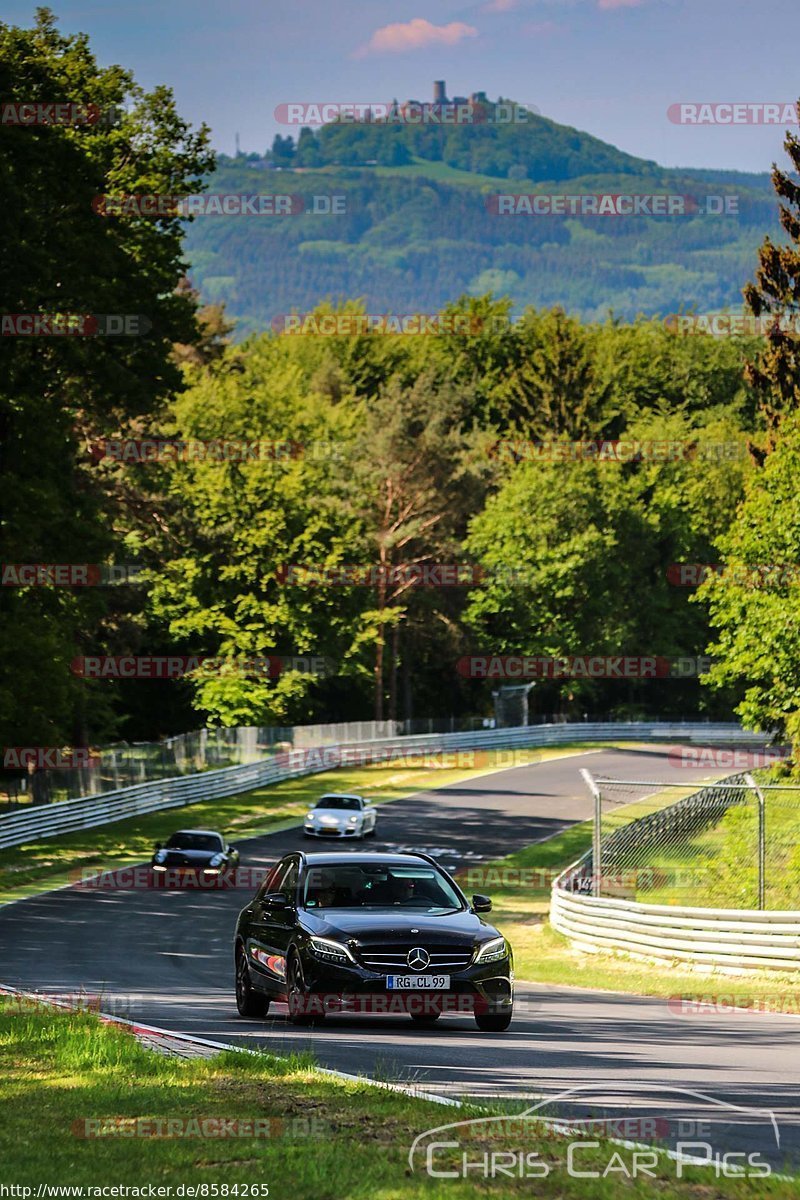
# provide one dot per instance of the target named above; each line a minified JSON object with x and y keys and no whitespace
{"x":627,"y":1134}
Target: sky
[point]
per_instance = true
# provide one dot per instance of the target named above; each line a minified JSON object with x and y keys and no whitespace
{"x":610,"y":67}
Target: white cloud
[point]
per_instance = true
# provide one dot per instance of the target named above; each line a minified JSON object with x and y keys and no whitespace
{"x":416,"y":34}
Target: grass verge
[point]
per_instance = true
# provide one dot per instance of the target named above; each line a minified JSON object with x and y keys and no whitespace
{"x":297,"y":1132}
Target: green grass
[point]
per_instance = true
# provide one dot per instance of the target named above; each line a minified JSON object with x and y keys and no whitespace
{"x":719,"y":864}
{"x":321,"y":1138}
{"x":53,"y":862}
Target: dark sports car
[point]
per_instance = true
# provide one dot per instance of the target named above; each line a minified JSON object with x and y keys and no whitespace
{"x":194,"y":852}
{"x":370,"y":933}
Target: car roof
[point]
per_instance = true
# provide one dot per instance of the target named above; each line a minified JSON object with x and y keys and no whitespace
{"x":211,"y":832}
{"x":341,"y":796}
{"x":376,"y":859}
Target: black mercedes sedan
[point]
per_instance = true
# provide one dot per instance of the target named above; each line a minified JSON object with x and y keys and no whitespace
{"x":370,"y":933}
{"x":193,"y":853}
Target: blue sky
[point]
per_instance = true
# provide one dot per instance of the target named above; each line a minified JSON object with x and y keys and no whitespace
{"x":611,"y":67}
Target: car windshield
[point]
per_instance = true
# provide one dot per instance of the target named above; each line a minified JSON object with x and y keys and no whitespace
{"x":349,"y":802}
{"x":379,"y":886}
{"x":194,"y":841}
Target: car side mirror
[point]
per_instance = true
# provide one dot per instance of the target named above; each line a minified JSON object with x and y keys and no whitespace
{"x":231,"y":850}
{"x":276,"y":900}
{"x":481,"y":904}
{"x":159,"y":846}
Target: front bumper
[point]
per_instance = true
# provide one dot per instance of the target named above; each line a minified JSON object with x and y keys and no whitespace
{"x":333,"y":831}
{"x":479,"y":988}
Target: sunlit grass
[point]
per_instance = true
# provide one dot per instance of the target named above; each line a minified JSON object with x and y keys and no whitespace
{"x":320,"y":1138}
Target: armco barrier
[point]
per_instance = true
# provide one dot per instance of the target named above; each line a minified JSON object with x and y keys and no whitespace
{"x":717,"y":938}
{"x":67,"y":816}
{"x":726,"y":939}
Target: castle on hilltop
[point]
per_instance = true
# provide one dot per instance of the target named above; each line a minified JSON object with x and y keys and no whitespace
{"x":440,"y":98}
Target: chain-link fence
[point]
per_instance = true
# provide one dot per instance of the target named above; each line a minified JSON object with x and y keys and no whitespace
{"x":126,"y":764}
{"x":734,"y":843}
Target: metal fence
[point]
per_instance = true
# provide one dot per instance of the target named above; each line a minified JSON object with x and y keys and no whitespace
{"x":731,"y":844}
{"x":32,"y":823}
{"x":732,"y":847}
{"x":126,"y":764}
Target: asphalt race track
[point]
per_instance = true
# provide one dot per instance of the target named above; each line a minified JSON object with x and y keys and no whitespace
{"x":165,"y":957}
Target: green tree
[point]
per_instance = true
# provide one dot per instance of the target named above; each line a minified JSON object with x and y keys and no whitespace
{"x":755,"y":612}
{"x":60,"y":394}
{"x":578,"y":554}
{"x":415,"y":481}
{"x":553,"y":390}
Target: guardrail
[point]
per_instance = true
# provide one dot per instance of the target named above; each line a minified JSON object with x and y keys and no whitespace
{"x":69,"y":816}
{"x":737,"y":939}
{"x":740,"y":940}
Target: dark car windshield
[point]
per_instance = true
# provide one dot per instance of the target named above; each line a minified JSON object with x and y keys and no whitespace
{"x":339,"y":802}
{"x":377,"y":886}
{"x":194,"y":841}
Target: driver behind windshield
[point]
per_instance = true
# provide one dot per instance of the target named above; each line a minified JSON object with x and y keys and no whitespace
{"x":346,"y":888}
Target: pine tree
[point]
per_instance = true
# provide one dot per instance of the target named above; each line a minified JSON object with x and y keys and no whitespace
{"x":776,"y":293}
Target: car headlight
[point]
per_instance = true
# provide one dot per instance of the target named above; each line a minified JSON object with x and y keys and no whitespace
{"x":353,"y":821}
{"x":216,"y":861}
{"x":160,"y":856}
{"x":492,"y":951}
{"x":330,"y":951}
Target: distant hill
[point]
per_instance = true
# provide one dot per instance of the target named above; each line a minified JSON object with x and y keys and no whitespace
{"x":421,"y":227}
{"x":501,"y":139}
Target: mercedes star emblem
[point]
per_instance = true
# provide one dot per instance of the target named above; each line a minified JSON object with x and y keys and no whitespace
{"x":418,"y":959}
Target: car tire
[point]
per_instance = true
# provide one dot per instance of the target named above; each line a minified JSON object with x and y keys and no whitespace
{"x":296,"y":992}
{"x":493,"y":1022}
{"x":371,"y":832}
{"x":424,"y":1018}
{"x":249,"y":1002}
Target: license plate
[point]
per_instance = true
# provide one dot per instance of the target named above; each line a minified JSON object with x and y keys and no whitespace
{"x":418,"y":983}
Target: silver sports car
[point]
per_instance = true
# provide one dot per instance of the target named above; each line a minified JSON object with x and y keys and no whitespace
{"x":340,"y":816}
